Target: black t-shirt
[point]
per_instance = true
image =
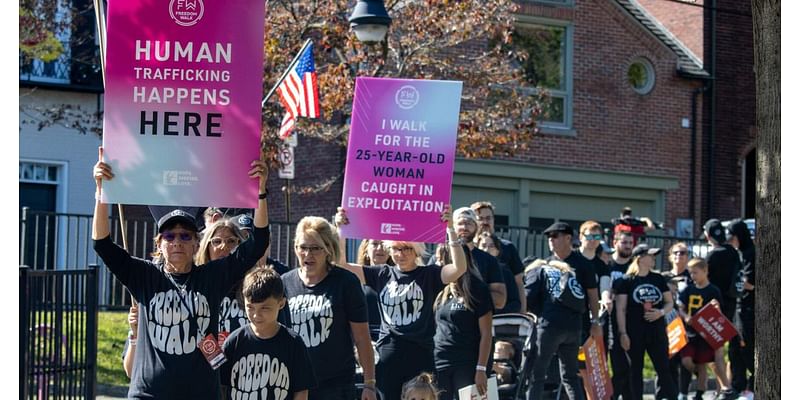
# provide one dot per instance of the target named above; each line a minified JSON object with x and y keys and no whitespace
{"x":510,"y":256}
{"x":723,"y":263}
{"x":487,"y":265}
{"x":693,"y":299}
{"x":643,"y":292}
{"x":617,"y":271}
{"x":266,"y":369}
{"x":542,"y":285}
{"x":373,"y":311}
{"x":406,"y":300}
{"x":458,"y":335}
{"x":749,"y":272}
{"x":175,"y":316}
{"x":513,"y":303}
{"x":231,"y":310}
{"x":321,"y":316}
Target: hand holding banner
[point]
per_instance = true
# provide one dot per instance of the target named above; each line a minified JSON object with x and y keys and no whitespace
{"x":596,"y":380}
{"x":400,"y":158}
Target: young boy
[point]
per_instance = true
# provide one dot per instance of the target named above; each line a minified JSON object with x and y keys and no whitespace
{"x":265,"y":360}
{"x":697,"y":353}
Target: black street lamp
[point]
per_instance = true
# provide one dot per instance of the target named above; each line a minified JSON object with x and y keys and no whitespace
{"x":370,"y":21}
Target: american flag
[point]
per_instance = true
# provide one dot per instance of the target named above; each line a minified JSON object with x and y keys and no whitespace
{"x":298,"y":92}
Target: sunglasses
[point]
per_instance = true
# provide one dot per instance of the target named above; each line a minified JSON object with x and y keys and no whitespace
{"x":680,"y":252}
{"x":231,"y":242}
{"x":595,"y":236}
{"x":183,"y":236}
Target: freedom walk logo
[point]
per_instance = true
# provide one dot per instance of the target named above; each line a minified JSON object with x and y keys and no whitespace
{"x":312,"y":318}
{"x":406,"y":97}
{"x":169,"y":326}
{"x":186,"y":12}
{"x":401,"y":303}
{"x":259,"y":376}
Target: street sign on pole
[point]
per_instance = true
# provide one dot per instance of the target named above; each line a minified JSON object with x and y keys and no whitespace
{"x":286,"y":158}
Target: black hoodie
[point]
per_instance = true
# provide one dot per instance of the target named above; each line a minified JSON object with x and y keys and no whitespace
{"x":748,"y":250}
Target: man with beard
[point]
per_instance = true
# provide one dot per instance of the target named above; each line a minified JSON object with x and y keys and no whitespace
{"x":620,"y":364}
{"x":466,"y":228}
{"x":509,"y":256}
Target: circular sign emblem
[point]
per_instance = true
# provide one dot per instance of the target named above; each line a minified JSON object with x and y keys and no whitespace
{"x":406,"y":97}
{"x":575,"y":288}
{"x":647,"y":293}
{"x":208,"y":346}
{"x":186,"y":12}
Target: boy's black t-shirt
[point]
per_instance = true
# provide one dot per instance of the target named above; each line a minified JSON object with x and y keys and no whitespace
{"x":542,"y":285}
{"x":321,"y":316}
{"x":406,"y":301}
{"x":266,"y":369}
{"x":231,"y":311}
{"x":643,"y":291}
{"x":176,"y":311}
{"x":692,"y":299}
{"x":458,"y":335}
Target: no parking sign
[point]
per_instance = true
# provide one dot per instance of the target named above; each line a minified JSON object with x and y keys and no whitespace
{"x":286,"y":158}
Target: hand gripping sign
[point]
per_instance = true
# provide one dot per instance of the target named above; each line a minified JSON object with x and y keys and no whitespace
{"x":400,"y":157}
{"x":596,"y":380}
{"x":182,"y":118}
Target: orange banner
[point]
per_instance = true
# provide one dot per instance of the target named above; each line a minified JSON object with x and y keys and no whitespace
{"x":676,"y":333}
{"x":596,"y":380}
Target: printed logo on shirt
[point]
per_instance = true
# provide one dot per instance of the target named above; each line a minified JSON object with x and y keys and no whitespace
{"x":554,"y":280}
{"x":458,"y":305}
{"x":231,"y":315}
{"x":616,"y":275}
{"x":401,"y":303}
{"x":259,"y":376}
{"x":312,"y":318}
{"x":169,"y":326}
{"x":647,"y":293}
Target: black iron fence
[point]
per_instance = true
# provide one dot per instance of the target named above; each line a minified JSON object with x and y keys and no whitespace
{"x":58,"y":333}
{"x":60,"y":241}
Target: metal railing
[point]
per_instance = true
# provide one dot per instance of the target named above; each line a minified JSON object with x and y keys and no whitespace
{"x":60,"y":241}
{"x":56,"y":71}
{"x":58,"y":333}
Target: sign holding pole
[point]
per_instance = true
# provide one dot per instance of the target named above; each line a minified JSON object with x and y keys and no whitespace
{"x":183,"y":93}
{"x":400,"y":156}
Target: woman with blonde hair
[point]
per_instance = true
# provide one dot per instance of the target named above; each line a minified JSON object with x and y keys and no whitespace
{"x":328,"y":311}
{"x":642,"y":301}
{"x":406,"y":294}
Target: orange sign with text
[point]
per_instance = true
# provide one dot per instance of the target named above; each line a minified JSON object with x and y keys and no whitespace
{"x":676,"y":333}
{"x":596,"y":380}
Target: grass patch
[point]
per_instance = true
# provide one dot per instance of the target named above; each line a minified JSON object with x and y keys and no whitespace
{"x":112,"y":330}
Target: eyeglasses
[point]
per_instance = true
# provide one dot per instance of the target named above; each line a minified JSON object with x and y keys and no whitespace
{"x":230,"y":242}
{"x":596,"y":236}
{"x":375,"y":244}
{"x":404,"y":250}
{"x":680,"y":252}
{"x":183,"y":236}
{"x":312,"y":250}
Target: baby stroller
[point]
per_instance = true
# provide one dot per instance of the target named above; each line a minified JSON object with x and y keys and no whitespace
{"x":520,"y":331}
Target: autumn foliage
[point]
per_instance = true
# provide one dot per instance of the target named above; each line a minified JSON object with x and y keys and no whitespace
{"x":468,"y":41}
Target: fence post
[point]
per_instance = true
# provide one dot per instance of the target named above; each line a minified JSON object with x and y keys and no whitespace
{"x":23,"y":236}
{"x":91,"y":331}
{"x":23,"y":331}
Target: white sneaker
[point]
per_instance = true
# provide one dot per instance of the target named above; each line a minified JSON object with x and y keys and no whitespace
{"x":746,"y":395}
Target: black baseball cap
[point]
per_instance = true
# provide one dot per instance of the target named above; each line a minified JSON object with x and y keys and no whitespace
{"x":177,"y":217}
{"x":559,"y":227}
{"x":243,"y":221}
{"x":643,"y":249}
{"x":715,"y":230}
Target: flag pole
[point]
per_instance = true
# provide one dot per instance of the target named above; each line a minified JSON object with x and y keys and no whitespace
{"x":291,"y":65}
{"x":100,"y":18}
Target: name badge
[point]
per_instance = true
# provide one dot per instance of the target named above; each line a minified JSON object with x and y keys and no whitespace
{"x":212,"y":351}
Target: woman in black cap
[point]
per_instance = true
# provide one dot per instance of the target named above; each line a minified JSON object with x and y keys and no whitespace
{"x":177,"y":299}
{"x":642,"y":300}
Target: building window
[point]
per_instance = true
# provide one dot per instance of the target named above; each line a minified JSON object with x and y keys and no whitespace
{"x":57,"y":70}
{"x":549,"y":66}
{"x":641,"y":76}
{"x":38,"y":173}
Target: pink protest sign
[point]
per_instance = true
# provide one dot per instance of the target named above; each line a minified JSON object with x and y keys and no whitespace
{"x":183,"y":101}
{"x":400,"y":157}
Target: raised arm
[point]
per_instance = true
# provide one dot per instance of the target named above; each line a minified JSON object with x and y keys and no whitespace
{"x":260,"y":170}
{"x":100,"y":225}
{"x":339,"y":220}
{"x":451,"y":272}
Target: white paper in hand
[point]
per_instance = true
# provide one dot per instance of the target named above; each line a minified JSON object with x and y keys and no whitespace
{"x":471,"y":392}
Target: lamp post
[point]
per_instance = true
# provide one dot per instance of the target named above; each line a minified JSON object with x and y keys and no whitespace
{"x":370,"y":21}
